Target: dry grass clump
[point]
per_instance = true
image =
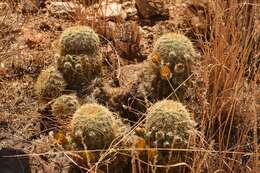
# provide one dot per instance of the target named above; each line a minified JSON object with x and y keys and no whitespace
{"x":230,"y":55}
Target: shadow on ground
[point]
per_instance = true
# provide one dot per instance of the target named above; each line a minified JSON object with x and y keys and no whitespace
{"x":10,"y":162}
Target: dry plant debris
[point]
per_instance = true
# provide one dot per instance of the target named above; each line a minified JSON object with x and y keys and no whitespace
{"x":90,"y":99}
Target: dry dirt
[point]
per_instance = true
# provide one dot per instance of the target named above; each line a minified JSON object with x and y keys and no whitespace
{"x":27,"y":40}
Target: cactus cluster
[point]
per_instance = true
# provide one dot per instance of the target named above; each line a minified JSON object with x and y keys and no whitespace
{"x":50,"y":83}
{"x":79,"y":61}
{"x":80,"y":56}
{"x":166,"y":69}
{"x":92,"y":126}
{"x":79,"y":40}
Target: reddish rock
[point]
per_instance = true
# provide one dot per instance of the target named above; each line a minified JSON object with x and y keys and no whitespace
{"x":149,"y":8}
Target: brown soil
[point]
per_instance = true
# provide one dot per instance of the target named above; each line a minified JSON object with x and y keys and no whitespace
{"x":27,"y":46}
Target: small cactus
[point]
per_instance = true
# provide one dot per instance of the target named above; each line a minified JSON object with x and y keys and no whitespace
{"x":174,"y":47}
{"x":63,"y":108}
{"x":169,"y":125}
{"x":95,"y":127}
{"x":79,"y":69}
{"x":57,"y":113}
{"x":50,"y":83}
{"x":174,"y":53}
{"x":79,"y":40}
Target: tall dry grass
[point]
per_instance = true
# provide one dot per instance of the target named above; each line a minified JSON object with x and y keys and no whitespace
{"x":229,"y":51}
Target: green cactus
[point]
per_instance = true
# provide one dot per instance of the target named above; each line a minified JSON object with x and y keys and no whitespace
{"x":63,"y":108}
{"x":174,"y":53}
{"x":174,"y":47}
{"x":95,"y":126}
{"x":169,"y":125}
{"x":175,"y":56}
{"x":50,"y":83}
{"x":79,"y":40}
{"x":79,"y":69}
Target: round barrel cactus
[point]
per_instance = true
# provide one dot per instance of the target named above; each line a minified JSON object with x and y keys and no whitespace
{"x":50,"y":83}
{"x":174,"y":47}
{"x":169,"y":125}
{"x":79,"y":40}
{"x":175,"y":56}
{"x":95,"y":127}
{"x":174,"y":53}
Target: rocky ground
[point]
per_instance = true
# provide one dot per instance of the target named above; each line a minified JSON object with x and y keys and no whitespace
{"x":28,"y":36}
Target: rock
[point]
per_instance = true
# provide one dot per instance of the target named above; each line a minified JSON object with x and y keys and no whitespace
{"x":149,"y":8}
{"x":116,"y":11}
{"x":111,"y":11}
{"x":146,"y":42}
{"x":34,"y":39}
{"x":198,"y":4}
{"x":3,"y":6}
{"x":136,"y":82}
{"x":192,"y":16}
{"x":3,"y":70}
{"x":88,"y":2}
{"x":127,"y":39}
{"x":63,"y":10}
{"x":130,"y":10}
{"x":28,"y":6}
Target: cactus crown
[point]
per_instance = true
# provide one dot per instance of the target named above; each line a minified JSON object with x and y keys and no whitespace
{"x":170,"y":106}
{"x":79,"y":40}
{"x":174,"y":54}
{"x":174,"y":47}
{"x":168,"y":124}
{"x":94,"y":126}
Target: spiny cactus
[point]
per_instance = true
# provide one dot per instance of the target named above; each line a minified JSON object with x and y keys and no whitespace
{"x":174,"y":53}
{"x":95,"y":126}
{"x":174,"y":47}
{"x":79,"y":69}
{"x":63,"y":108}
{"x":79,"y":40}
{"x":169,"y":125}
{"x":50,"y":83}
